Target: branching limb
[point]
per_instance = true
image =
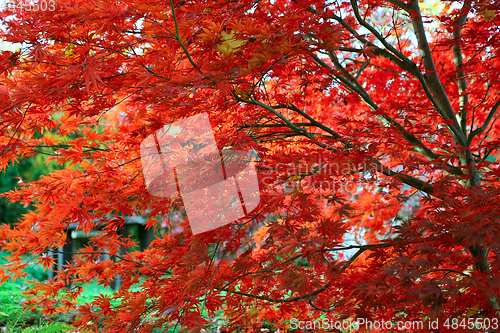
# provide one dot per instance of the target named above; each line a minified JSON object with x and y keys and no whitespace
{"x":17,"y":128}
{"x":273,"y":125}
{"x":459,"y":66}
{"x":298,"y":130}
{"x":289,"y":124}
{"x":322,"y":310}
{"x":370,"y":28}
{"x":406,"y":179}
{"x":486,"y":94}
{"x":312,"y":120}
{"x":485,"y":125}
{"x":361,"y":69}
{"x":401,"y":5}
{"x":178,"y":38}
{"x":353,"y":84}
{"x":432,"y":77}
{"x":446,"y":270}
{"x":298,"y":298}
{"x":408,"y":66}
{"x":442,"y":104}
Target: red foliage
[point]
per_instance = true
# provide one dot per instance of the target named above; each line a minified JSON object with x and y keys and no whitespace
{"x":375,"y":124}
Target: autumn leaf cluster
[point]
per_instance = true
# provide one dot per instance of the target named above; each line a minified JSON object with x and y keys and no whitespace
{"x":375,"y":133}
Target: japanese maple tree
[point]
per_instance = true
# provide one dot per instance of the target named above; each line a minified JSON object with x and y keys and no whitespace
{"x":374,"y":128}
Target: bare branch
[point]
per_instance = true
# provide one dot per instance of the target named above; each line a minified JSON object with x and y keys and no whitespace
{"x":362,"y":68}
{"x":313,"y":122}
{"x":406,"y":179}
{"x":322,"y":310}
{"x":289,"y":124}
{"x":418,"y":146}
{"x":388,"y":46}
{"x":459,"y":64}
{"x":432,"y":77}
{"x":401,"y":5}
{"x":485,"y":125}
{"x":299,"y":298}
{"x":406,"y":65}
{"x":273,"y":125}
{"x":178,"y":38}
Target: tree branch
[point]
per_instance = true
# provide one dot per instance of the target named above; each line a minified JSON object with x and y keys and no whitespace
{"x":459,"y":64}
{"x":406,"y":179}
{"x":388,"y":46}
{"x":178,"y":38}
{"x":485,"y":125}
{"x":401,"y":5}
{"x":298,"y":298}
{"x":352,"y":83}
{"x":432,"y":77}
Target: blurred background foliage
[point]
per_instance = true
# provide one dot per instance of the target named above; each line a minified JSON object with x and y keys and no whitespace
{"x":24,"y":171}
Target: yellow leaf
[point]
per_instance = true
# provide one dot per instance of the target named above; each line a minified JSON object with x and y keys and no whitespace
{"x":473,"y":311}
{"x":488,"y":14}
{"x":253,"y":311}
{"x":246,"y":70}
{"x":245,"y":93}
{"x":229,"y":43}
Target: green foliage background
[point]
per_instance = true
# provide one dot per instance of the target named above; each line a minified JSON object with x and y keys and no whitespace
{"x":27,"y":170}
